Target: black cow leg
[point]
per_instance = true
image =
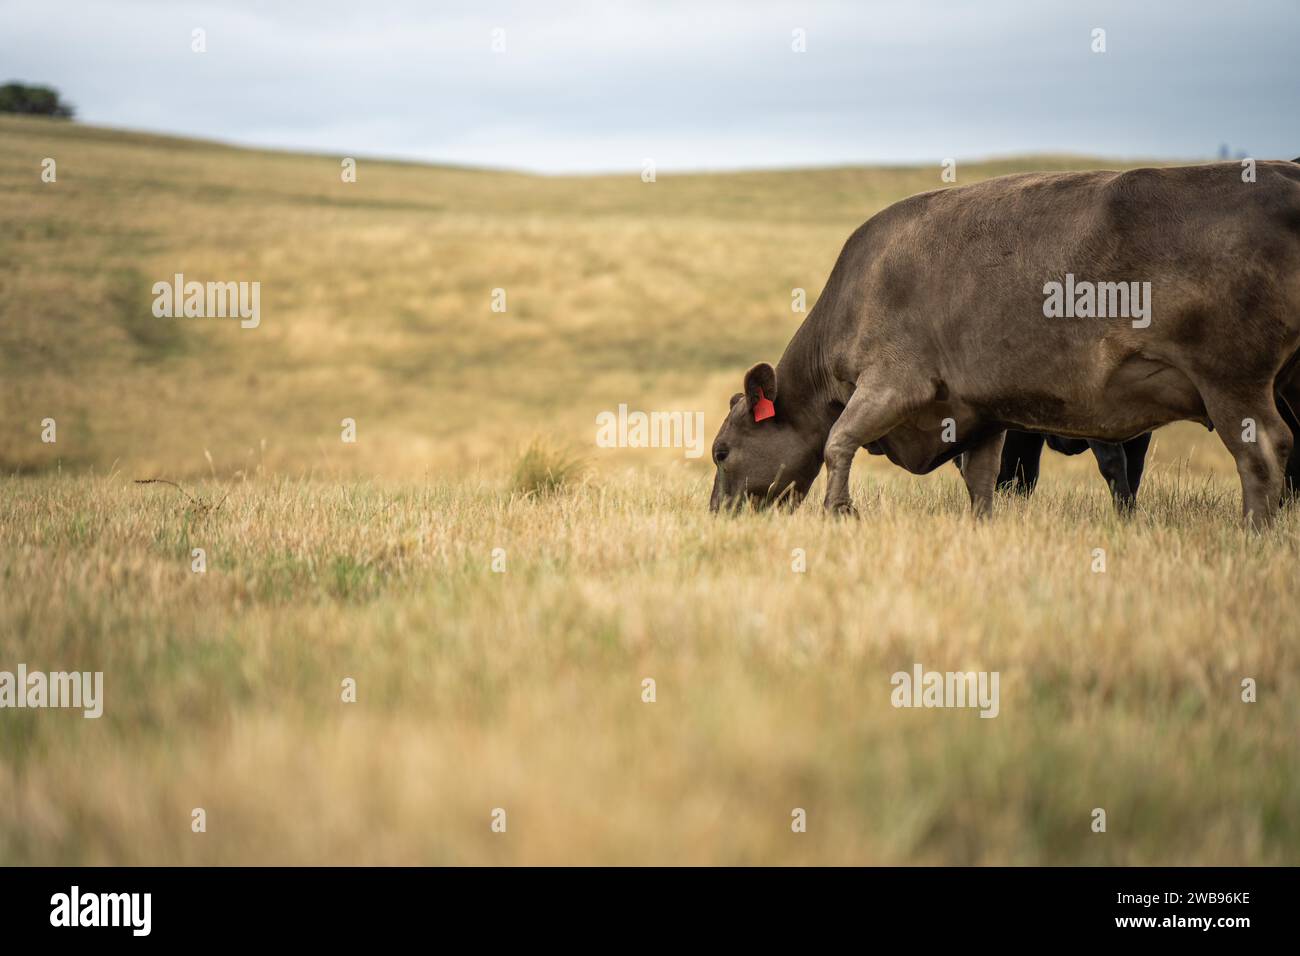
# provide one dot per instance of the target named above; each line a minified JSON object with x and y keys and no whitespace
{"x":1113,"y":464}
{"x":1021,"y":455}
{"x":1291,"y":483}
{"x":1291,"y":487}
{"x":1135,"y":453}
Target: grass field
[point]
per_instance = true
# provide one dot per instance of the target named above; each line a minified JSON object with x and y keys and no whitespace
{"x":521,"y":688}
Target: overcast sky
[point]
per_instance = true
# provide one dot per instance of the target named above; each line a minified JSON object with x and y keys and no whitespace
{"x":691,"y":84}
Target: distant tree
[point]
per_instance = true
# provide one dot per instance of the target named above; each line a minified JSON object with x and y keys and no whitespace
{"x":33,"y":101}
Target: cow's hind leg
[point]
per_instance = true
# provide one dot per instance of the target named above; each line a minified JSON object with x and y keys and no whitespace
{"x":1113,"y":464}
{"x":981,"y":473}
{"x":1259,"y":441}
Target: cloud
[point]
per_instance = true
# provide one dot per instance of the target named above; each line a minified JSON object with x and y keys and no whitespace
{"x":600,"y":86}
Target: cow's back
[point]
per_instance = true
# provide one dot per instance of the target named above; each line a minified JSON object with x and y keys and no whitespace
{"x":955,"y":279}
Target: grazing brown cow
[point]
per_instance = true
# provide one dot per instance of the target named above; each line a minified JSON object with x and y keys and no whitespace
{"x":1090,"y":305}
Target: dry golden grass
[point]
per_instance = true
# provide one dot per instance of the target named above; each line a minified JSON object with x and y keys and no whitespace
{"x":522,"y":689}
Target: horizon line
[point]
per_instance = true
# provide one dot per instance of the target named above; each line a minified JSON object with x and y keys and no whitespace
{"x":632,"y":169}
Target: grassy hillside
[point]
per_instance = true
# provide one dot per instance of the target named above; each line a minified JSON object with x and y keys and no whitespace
{"x":376,"y":301}
{"x":522,"y":688}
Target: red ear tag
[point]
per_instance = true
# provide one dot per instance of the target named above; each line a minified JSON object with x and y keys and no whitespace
{"x":763,"y":408}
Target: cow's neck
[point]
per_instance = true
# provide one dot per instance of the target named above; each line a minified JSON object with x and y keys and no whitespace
{"x":804,"y":383}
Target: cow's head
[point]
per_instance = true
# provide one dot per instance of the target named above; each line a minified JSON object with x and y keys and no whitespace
{"x":761,"y":454}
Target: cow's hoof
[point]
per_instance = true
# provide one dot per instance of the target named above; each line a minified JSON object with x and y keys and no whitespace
{"x":841,"y":509}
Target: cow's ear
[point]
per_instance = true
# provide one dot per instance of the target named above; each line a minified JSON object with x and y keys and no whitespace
{"x":737,"y":397}
{"x":761,"y":376}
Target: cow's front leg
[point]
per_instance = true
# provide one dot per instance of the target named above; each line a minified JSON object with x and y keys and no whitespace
{"x":870,"y":413}
{"x":981,"y":473}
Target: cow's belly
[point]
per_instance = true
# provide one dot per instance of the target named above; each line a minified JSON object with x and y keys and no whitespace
{"x":923,"y":444}
{"x":1139,"y":395}
{"x":1136,"y":397}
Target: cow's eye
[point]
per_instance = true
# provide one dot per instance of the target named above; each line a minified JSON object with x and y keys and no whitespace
{"x":719,"y":455}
